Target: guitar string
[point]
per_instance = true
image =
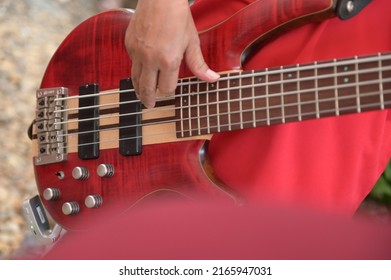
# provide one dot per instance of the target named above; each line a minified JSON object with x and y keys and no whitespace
{"x":288,"y":81}
{"x":260,"y":85}
{"x":188,"y":119}
{"x":224,"y":125}
{"x":380,"y":57}
{"x":249,"y":86}
{"x":250,"y":98}
{"x":262,"y":120}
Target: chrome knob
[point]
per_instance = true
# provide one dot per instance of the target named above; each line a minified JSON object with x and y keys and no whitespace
{"x":93,"y":201}
{"x":80,"y":173}
{"x":51,"y":194}
{"x":105,"y":170}
{"x":70,"y":208}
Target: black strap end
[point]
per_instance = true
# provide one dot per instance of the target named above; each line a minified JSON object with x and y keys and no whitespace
{"x":347,"y":9}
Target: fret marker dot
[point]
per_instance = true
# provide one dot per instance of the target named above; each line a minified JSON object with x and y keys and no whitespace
{"x":346,"y":68}
{"x":346,"y":80}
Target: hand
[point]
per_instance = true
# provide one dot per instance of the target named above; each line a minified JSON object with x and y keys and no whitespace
{"x":160,"y":35}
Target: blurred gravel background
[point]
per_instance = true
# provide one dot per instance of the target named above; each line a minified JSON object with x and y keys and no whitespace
{"x":30,"y":32}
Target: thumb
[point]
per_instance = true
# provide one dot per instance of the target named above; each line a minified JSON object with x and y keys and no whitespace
{"x":196,"y":64}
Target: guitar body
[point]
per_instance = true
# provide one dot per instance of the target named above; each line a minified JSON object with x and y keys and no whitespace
{"x":94,"y":52}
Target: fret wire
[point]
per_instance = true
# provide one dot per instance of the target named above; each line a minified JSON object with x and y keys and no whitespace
{"x":357,"y":86}
{"x":198,"y":110}
{"x":189,"y":108}
{"x":207,"y":108}
{"x":282,"y":95}
{"x":267,"y":96}
{"x":253,"y":99}
{"x":336,"y":89}
{"x":218,"y":105}
{"x":181,"y":113}
{"x":316,"y":92}
{"x":240,"y":103}
{"x":298,"y":92}
{"x":380,"y":74}
{"x":229,"y":103}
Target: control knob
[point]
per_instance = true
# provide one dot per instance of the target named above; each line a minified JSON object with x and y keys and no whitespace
{"x":93,"y":201}
{"x":105,"y":170}
{"x":70,"y":208}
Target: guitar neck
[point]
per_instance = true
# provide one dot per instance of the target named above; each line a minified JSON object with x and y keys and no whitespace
{"x":286,"y":94}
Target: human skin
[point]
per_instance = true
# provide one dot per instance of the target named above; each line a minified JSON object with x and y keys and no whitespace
{"x":159,"y":37}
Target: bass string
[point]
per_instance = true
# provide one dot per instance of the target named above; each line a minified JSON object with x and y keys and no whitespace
{"x":195,"y":131}
{"x":190,"y":131}
{"x":270,"y":96}
{"x":316,"y":66}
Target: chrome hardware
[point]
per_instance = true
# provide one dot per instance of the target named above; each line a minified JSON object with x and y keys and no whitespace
{"x":93,"y":201}
{"x":350,"y":6}
{"x":50,"y":125}
{"x":37,"y":220}
{"x":70,"y":208}
{"x":51,"y":194}
{"x":80,"y":173}
{"x":105,"y":170}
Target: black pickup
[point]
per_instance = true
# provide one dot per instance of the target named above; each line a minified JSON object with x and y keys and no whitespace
{"x":130,"y":121}
{"x":88,"y":132}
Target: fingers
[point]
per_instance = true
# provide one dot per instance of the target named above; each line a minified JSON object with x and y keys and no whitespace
{"x":136,"y":71}
{"x":145,"y":84}
{"x":148,"y":81}
{"x":157,"y":46}
{"x":196,"y":63}
{"x":168,"y":80}
{"x":195,"y":60}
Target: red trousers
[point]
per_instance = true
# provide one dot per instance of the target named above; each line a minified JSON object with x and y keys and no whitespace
{"x":332,"y":163}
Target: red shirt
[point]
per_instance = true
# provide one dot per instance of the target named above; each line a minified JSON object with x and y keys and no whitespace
{"x":332,"y":163}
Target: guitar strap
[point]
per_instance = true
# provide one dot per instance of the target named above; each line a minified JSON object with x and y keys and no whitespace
{"x":344,"y":9}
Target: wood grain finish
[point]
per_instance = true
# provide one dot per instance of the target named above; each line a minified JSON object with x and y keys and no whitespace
{"x":94,"y":52}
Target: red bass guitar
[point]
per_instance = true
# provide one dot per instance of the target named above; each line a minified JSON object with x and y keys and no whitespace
{"x":98,"y":150}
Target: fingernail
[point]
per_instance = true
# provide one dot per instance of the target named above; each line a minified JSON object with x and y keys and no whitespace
{"x":149,"y":104}
{"x":212,"y":74}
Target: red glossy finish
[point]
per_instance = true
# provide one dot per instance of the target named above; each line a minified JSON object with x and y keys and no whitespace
{"x":94,"y":53}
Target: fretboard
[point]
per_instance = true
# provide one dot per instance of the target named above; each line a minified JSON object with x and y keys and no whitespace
{"x":286,"y":94}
